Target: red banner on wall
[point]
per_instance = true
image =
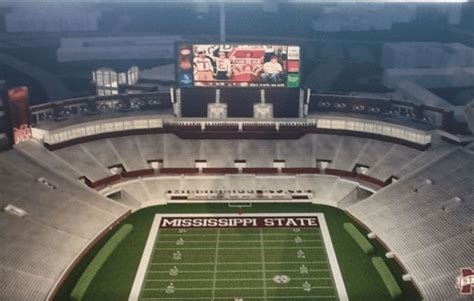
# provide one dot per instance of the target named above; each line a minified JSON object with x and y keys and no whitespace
{"x":19,"y":113}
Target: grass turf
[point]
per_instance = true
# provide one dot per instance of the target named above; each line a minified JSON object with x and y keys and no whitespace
{"x":115,"y":279}
{"x":223,"y":264}
{"x":101,"y":257}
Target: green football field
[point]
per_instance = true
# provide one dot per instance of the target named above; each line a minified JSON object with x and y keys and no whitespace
{"x":239,"y":264}
{"x":116,"y":279}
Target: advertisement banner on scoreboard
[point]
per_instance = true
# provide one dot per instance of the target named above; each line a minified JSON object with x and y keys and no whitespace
{"x":238,"y":65}
{"x":19,"y":113}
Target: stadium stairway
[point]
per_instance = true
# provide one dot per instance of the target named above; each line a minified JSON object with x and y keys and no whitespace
{"x":84,"y":162}
{"x":346,"y":160}
{"x":128,"y":152}
{"x":326,"y":146}
{"x":127,"y":200}
{"x":151,"y":146}
{"x":373,"y":153}
{"x":103,"y":152}
{"x":341,"y":191}
{"x":397,"y":156}
{"x":298,"y":153}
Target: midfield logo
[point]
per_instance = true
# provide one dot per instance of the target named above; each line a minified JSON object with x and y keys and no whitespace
{"x":465,"y":281}
{"x":281,"y":279}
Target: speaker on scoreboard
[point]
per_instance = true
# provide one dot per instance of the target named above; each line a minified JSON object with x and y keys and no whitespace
{"x":217,"y":110}
{"x":263,"y":111}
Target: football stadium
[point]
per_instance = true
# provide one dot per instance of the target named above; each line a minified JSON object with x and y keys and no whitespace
{"x":261,"y":150}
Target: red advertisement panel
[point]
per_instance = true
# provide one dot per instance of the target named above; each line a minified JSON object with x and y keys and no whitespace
{"x":19,"y":113}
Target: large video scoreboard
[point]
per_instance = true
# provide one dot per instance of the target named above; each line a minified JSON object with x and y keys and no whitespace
{"x":238,"y":65}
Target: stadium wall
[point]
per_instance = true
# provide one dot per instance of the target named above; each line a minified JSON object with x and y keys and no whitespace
{"x":366,"y":182}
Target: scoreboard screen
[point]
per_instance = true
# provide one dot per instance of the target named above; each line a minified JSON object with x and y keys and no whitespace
{"x":238,"y":65}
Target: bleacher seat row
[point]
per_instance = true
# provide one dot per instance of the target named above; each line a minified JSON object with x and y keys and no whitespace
{"x":93,"y":159}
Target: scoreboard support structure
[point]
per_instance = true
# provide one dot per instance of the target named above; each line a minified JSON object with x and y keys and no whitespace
{"x":176,"y":100}
{"x":301,"y":104}
{"x":223,"y":102}
{"x":217,"y":110}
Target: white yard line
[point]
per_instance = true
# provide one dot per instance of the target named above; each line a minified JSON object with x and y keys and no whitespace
{"x":262,"y":247}
{"x":236,"y":262}
{"x":235,"y":288}
{"x":237,"y":271}
{"x":232,"y":279}
{"x":226,"y":298}
{"x":238,"y":241}
{"x":215,"y":266}
{"x":242,"y":248}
